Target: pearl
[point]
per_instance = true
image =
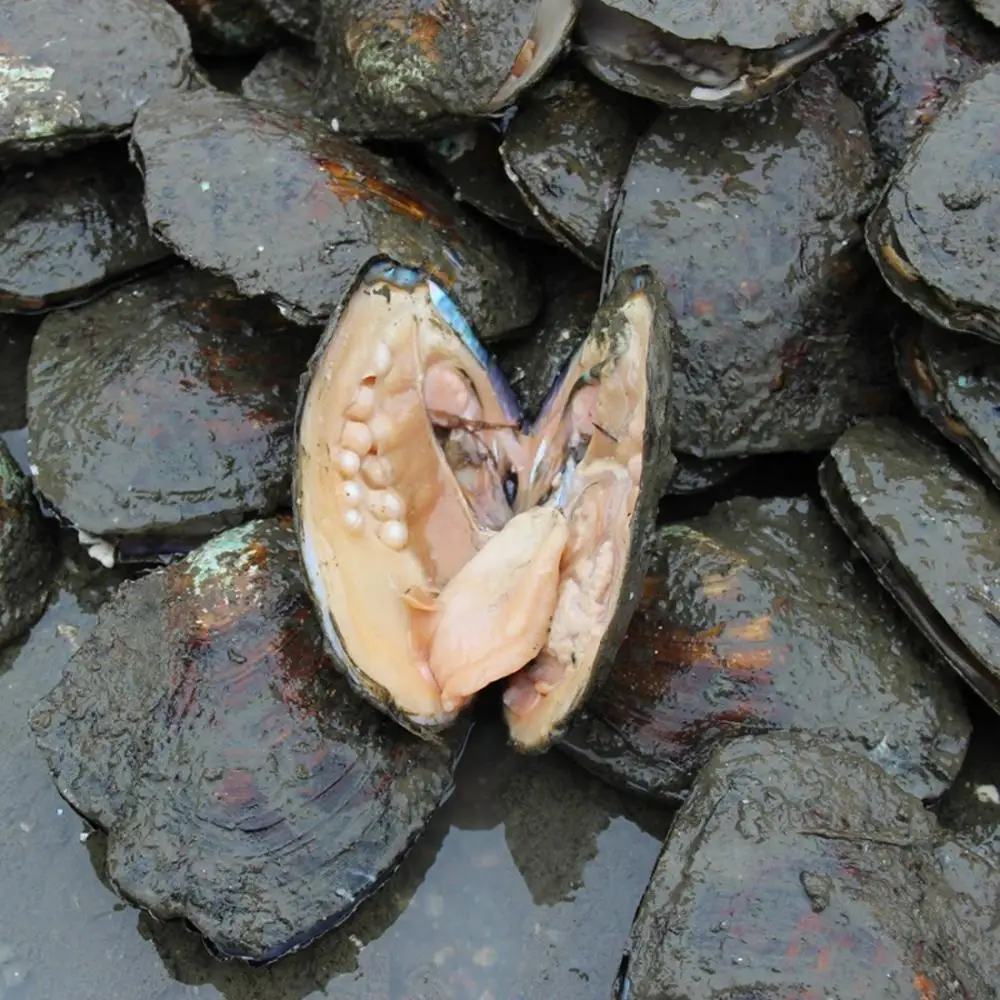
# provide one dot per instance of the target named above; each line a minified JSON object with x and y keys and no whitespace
{"x":394,"y":535}
{"x":377,"y":472}
{"x":357,"y":437}
{"x":354,"y":520}
{"x":386,"y":505}
{"x":348,"y":462}
{"x":380,"y":427}
{"x":351,"y":492}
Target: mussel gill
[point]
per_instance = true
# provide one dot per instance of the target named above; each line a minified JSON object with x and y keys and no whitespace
{"x":447,"y":543}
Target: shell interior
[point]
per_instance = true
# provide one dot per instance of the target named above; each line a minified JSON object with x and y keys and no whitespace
{"x":553,"y":23}
{"x":448,"y":544}
{"x":633,"y":54}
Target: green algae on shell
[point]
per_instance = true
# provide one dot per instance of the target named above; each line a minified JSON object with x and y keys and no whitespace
{"x":401,"y":68}
{"x":288,"y":209}
{"x":163,"y":412}
{"x":756,"y":617}
{"x":75,"y":72}
{"x":690,"y":54}
{"x":406,"y":510}
{"x":954,"y":380}
{"x":799,"y":869}
{"x":933,"y":232}
{"x":751,"y":222}
{"x":931,"y":531}
{"x":242,"y":786}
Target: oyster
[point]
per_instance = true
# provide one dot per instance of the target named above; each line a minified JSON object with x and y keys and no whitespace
{"x":447,"y":543}
{"x":394,"y":68}
{"x":714,"y":55}
{"x":933,"y":232}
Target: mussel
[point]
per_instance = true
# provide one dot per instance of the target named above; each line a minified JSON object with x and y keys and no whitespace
{"x":449,"y":543}
{"x":716,"y":55}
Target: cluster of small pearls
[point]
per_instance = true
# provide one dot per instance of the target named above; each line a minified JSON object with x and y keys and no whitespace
{"x":366,"y":474}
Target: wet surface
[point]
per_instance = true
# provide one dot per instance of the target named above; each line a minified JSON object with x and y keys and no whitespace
{"x":559,"y":861}
{"x":775,"y":351}
{"x":760,"y":616}
{"x":283,"y":78}
{"x":70,"y":228}
{"x":954,"y":381}
{"x":568,"y":149}
{"x":304,"y":211}
{"x":931,"y":530}
{"x":227,"y":27}
{"x":76,"y":71}
{"x":839,"y":890}
{"x":904,"y":73}
{"x":165,"y":409}
{"x":933,"y":233}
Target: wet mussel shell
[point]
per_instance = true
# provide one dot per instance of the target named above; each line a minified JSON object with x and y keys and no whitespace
{"x":903,"y":75}
{"x":755,"y":618}
{"x":657,"y":470}
{"x":27,"y":552}
{"x":568,"y":150}
{"x":72,"y":228}
{"x":954,"y":380}
{"x":930,"y":528}
{"x":181,"y":395}
{"x":76,"y":71}
{"x":717,"y":56}
{"x":241,"y":784}
{"x":934,"y":231}
{"x":396,"y":69}
{"x":774,"y":351}
{"x":286,"y":208}
{"x":797,"y":869}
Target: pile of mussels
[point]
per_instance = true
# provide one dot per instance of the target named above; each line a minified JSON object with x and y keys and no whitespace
{"x":639,"y":358}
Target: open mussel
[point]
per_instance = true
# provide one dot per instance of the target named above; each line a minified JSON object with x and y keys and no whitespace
{"x":933,"y":233}
{"x":716,"y":55}
{"x":447,"y":542}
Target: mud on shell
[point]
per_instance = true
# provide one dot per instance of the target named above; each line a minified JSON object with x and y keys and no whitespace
{"x":447,"y":543}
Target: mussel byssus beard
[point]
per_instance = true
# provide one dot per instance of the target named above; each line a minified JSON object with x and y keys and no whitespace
{"x":448,"y":543}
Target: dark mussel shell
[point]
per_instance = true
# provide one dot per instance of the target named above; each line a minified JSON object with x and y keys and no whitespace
{"x":954,"y":380}
{"x":931,"y":532}
{"x":400,"y":68}
{"x":242,"y":786}
{"x":288,"y":209}
{"x":76,"y":71}
{"x":180,"y":396}
{"x":796,"y":869}
{"x":934,"y":231}
{"x":754,"y":618}
{"x":717,"y":55}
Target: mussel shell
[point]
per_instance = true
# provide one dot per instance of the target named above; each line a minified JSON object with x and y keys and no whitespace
{"x":657,"y":471}
{"x":242,"y":786}
{"x":286,"y":208}
{"x":285,"y":79}
{"x":227,"y":27}
{"x":954,"y":380}
{"x":76,"y":71}
{"x":755,"y":617}
{"x":798,"y":870}
{"x":931,"y":532}
{"x":933,"y":232}
{"x":400,"y":68}
{"x":567,"y":150}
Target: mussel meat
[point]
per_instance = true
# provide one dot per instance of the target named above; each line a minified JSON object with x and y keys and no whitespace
{"x":447,"y":543}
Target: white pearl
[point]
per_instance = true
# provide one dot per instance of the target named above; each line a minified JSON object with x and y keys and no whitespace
{"x":376,"y":471}
{"x":354,"y":520}
{"x":386,"y":505}
{"x":363,"y":404}
{"x":348,"y":462}
{"x":352,"y":492}
{"x":394,"y":534}
{"x":356,"y":437}
{"x":382,"y":361}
